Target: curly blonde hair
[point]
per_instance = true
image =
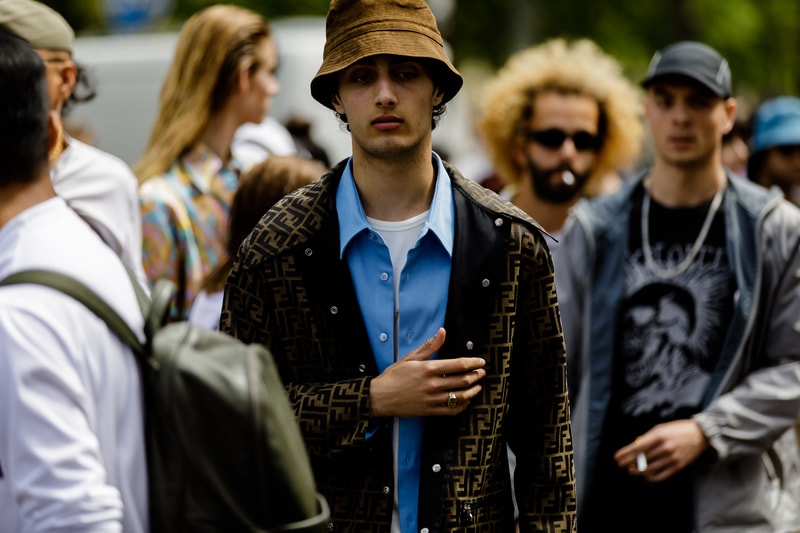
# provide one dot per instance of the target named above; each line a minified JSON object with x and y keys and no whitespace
{"x":576,"y":68}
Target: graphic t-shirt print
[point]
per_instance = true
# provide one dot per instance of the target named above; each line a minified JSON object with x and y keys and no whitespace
{"x":672,"y":329}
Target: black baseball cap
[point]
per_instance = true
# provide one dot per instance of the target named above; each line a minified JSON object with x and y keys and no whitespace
{"x":693,"y":60}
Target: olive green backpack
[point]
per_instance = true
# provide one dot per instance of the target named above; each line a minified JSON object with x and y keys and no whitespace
{"x":224,"y":451}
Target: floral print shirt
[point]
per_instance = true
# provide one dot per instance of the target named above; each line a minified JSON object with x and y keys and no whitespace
{"x":185,"y":222}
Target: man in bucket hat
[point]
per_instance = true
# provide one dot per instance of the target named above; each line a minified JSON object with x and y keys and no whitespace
{"x":680,"y":298}
{"x":397,"y":296}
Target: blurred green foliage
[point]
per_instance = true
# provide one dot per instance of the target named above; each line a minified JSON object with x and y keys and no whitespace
{"x":760,"y":38}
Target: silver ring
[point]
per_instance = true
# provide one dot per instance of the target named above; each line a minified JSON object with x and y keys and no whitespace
{"x":452,"y":401}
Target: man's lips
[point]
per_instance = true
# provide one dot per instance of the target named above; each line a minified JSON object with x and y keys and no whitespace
{"x":681,"y":140}
{"x":387,"y":122}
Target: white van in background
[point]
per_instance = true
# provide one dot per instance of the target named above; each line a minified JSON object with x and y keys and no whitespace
{"x":129,"y":69}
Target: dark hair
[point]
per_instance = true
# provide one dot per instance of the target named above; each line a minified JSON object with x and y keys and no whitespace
{"x":23,"y":111}
{"x":83,"y":91}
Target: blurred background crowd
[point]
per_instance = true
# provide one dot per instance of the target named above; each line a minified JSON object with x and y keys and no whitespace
{"x":127,"y":45}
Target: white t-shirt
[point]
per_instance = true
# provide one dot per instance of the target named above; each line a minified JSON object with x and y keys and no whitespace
{"x":72,"y":448}
{"x":206,"y":309}
{"x":102,"y":189}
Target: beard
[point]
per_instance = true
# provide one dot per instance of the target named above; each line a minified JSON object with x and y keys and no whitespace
{"x":562,"y":192}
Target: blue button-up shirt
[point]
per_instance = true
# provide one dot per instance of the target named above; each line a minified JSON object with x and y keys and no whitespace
{"x":422,"y":295}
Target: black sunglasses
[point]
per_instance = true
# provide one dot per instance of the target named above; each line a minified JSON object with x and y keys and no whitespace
{"x":554,"y":138}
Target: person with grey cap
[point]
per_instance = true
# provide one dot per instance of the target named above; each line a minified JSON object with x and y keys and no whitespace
{"x":775,"y":146}
{"x":99,"y":186}
{"x":411,"y":312}
{"x":680,"y":297}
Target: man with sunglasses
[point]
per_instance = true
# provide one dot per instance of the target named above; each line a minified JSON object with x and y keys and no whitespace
{"x":775,"y":157}
{"x":560,"y":121}
{"x":98,"y":186}
{"x":680,"y":298}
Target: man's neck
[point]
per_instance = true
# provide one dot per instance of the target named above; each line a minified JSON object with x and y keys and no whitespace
{"x":674,"y":186}
{"x":14,"y":199}
{"x":394,"y":189}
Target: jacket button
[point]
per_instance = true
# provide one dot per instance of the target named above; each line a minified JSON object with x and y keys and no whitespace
{"x":386,"y":490}
{"x":485,"y":283}
{"x":362,"y":368}
{"x":334,"y":310}
{"x":308,"y":252}
{"x":330,"y":526}
{"x":423,"y":530}
{"x":436,"y":468}
{"x":498,"y":222}
{"x":470,"y":345}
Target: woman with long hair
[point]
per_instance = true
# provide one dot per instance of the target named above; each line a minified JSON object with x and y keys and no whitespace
{"x":222,"y":76}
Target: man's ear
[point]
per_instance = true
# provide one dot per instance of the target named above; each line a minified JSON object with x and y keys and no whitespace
{"x":438,"y":96}
{"x":69,"y":77}
{"x":730,"y":112}
{"x":53,"y":126}
{"x":518,"y":154}
{"x":337,"y":103}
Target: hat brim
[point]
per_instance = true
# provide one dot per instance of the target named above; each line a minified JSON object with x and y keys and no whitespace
{"x":393,"y":42}
{"x":784,"y":135}
{"x":688,"y":75}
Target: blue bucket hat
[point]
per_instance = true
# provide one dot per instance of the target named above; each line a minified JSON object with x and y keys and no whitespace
{"x":776,"y":123}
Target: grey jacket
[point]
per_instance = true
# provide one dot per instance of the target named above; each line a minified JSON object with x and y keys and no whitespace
{"x":753,"y":485}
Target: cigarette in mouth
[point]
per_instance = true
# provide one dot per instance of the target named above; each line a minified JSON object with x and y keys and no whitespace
{"x":568,"y":178}
{"x":641,"y":462}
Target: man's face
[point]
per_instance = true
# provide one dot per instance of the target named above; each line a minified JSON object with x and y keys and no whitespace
{"x":61,"y":73}
{"x":559,"y":148}
{"x":782,"y":166}
{"x":389,"y":103}
{"x":687,"y":122}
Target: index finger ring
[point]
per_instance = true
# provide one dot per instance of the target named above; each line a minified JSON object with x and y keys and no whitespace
{"x":452,"y":401}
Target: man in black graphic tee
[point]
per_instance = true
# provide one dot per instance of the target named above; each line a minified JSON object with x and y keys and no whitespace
{"x":679,"y":299}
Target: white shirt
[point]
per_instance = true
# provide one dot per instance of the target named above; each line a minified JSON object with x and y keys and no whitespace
{"x":253,"y":143}
{"x":102,"y":189}
{"x":72,"y":448}
{"x":206,"y":309}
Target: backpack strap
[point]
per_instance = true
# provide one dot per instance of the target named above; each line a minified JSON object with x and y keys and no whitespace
{"x":83,"y":294}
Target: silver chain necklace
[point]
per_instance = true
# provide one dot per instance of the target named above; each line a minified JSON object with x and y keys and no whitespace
{"x":680,"y":268}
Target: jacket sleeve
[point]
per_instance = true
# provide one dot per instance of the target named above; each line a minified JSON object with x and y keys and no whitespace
{"x":755,"y":411}
{"x":545,"y":476}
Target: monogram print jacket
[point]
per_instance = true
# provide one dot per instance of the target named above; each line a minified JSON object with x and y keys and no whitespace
{"x":290,"y":291}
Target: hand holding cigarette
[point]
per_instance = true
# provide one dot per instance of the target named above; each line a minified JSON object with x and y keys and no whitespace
{"x":664,"y":450}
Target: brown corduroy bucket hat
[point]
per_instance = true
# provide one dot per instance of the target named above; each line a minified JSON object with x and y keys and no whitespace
{"x":356,"y":29}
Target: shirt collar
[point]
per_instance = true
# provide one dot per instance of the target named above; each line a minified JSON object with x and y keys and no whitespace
{"x":352,"y":219}
{"x":202,"y":164}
